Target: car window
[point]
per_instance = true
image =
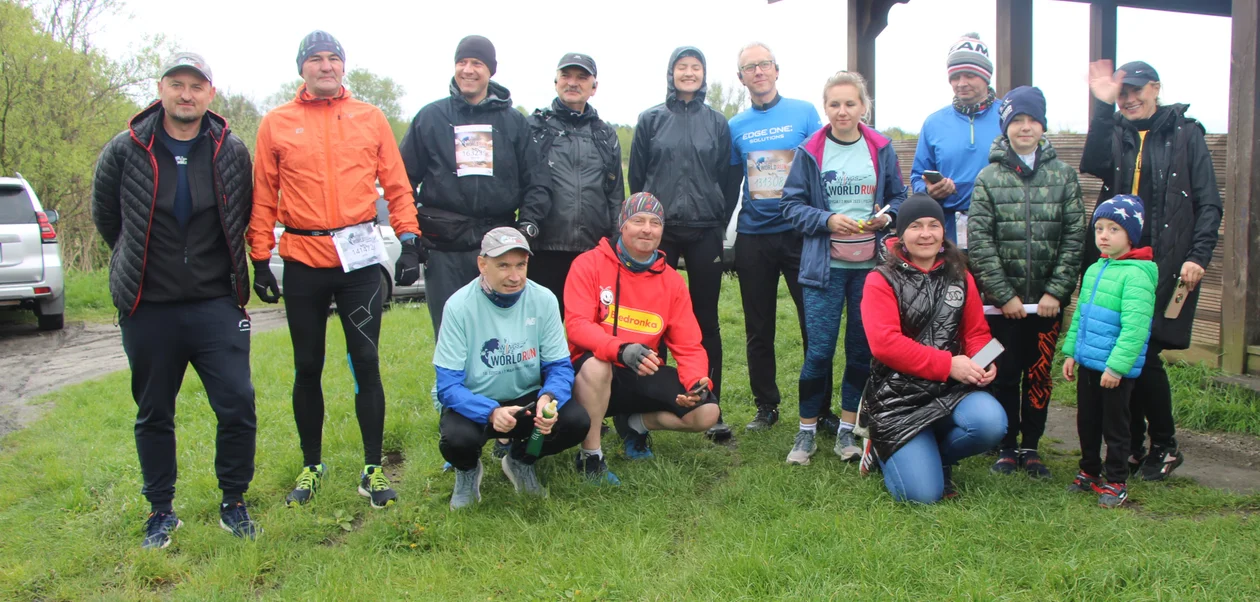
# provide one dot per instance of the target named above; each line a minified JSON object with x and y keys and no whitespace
{"x":15,"y":206}
{"x":382,"y":212}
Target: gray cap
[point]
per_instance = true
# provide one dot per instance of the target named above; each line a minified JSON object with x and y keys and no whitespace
{"x":501,"y":240}
{"x":576,"y":59}
{"x":187,"y":60}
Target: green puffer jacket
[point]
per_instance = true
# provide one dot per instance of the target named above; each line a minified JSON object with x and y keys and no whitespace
{"x":1026,"y":228}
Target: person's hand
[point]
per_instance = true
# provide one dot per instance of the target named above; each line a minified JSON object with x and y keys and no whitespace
{"x":540,"y":422}
{"x":1014,"y":309}
{"x":407,"y":268}
{"x":1191,"y":274}
{"x":876,"y":224}
{"x":1048,"y":307}
{"x":640,"y":358}
{"x":1108,"y":381}
{"x":503,"y":419}
{"x":1105,"y":84}
{"x":990,"y":373}
{"x":694,"y":394}
{"x":940,"y":190}
{"x":842,"y":224}
{"x":963,"y":370}
{"x":265,"y":285}
{"x":1069,"y":365}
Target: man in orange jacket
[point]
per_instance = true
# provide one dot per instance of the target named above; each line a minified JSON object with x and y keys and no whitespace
{"x":622,"y":302}
{"x":319,"y":157}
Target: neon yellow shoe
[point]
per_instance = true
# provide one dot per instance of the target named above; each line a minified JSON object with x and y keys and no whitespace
{"x":308,"y":482}
{"x":374,"y":485}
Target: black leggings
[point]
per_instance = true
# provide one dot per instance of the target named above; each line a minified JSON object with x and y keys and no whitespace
{"x":308,"y":294}
{"x":701,"y":249}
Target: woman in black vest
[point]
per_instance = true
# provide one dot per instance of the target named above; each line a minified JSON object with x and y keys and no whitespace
{"x":1157,"y":153}
{"x":924,"y":320}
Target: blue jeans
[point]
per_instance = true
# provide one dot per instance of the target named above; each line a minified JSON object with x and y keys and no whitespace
{"x":824,"y":307}
{"x":913,"y":474}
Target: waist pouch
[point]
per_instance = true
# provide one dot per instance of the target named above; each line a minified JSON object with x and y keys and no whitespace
{"x":450,"y":231}
{"x":301,"y":232}
{"x":857,"y":248}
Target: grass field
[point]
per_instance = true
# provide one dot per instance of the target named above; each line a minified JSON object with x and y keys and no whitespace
{"x":699,"y":522}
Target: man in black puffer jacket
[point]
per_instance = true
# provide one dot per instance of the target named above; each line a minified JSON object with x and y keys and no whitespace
{"x":469,"y":154}
{"x":172,"y":198}
{"x":584,"y":158}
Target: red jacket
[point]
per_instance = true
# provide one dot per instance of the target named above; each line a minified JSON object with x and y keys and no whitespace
{"x":648,"y":306}
{"x":881,"y":318}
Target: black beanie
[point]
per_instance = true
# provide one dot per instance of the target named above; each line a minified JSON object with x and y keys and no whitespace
{"x":318,"y":41}
{"x":919,"y":205}
{"x":477,"y":47}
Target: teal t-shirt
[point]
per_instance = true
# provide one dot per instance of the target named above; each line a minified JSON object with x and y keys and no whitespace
{"x":849,"y":179}
{"x":501,"y":350}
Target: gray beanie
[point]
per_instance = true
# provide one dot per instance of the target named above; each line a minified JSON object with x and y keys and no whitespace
{"x":970,"y":55}
{"x":318,"y":41}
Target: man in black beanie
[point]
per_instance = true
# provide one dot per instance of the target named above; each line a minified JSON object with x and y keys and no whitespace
{"x":470,"y":156}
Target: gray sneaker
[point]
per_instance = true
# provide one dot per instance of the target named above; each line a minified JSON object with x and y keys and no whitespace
{"x":802,"y":448}
{"x":522,"y":476}
{"x":847,"y":447}
{"x":467,"y":487}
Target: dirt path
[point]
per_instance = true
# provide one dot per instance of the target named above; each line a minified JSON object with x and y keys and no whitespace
{"x":34,"y":363}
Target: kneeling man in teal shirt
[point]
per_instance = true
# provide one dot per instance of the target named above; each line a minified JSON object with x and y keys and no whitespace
{"x":502,"y":347}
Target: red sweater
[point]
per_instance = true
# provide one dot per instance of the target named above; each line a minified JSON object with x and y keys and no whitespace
{"x":881,"y":318}
{"x":654,"y":305}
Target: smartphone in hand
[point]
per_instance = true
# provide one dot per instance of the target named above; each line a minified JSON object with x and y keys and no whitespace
{"x":932,"y":176}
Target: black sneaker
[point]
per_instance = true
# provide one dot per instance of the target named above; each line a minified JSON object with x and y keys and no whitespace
{"x":375,"y":486}
{"x":158,"y":529}
{"x":501,"y":448}
{"x":828,"y":425}
{"x":766,"y":417}
{"x":1007,"y":462}
{"x":1161,"y":462}
{"x":1113,"y":495}
{"x":1030,"y":462}
{"x":719,"y":433}
{"x":234,"y":519}
{"x":595,"y":469}
{"x":951,"y":489}
{"x":308,"y":483}
{"x":1085,"y":483}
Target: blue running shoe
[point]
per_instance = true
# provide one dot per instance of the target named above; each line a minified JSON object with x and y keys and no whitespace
{"x":158,"y":529}
{"x":234,"y":519}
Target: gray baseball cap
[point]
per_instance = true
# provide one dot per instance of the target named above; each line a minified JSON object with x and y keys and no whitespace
{"x":187,"y":60}
{"x":501,"y":240}
{"x":575,"y":59}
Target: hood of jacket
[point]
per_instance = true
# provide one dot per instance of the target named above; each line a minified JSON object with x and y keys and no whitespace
{"x":1002,"y":153}
{"x":671,"y":97}
{"x":563,"y":112}
{"x":1142,"y":254}
{"x":497,"y":97}
{"x":1165,"y":116}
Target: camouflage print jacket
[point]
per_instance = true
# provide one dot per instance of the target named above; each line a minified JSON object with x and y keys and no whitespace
{"x":1027,"y":227}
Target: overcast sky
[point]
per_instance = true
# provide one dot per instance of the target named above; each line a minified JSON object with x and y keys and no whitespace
{"x":252,"y":45}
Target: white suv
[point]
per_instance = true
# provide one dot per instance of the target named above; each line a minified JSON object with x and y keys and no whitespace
{"x":30,"y":256}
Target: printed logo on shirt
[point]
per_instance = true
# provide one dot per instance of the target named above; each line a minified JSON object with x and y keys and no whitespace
{"x":768,"y":134}
{"x":767,"y":172}
{"x":499,"y":354}
{"x":181,"y":160}
{"x":605,"y":295}
{"x":243,"y":325}
{"x":954,"y":296}
{"x":531,"y":321}
{"x":842,"y":185}
{"x":635,"y":320}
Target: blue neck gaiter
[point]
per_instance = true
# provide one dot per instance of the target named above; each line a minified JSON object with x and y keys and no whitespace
{"x":631,"y":263}
{"x":499,"y":299}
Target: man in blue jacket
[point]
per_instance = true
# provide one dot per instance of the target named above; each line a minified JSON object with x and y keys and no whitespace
{"x":955,"y":140}
{"x":502,"y":347}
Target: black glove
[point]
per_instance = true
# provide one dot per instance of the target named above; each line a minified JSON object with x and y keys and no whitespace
{"x":632,"y":354}
{"x":265,"y":281}
{"x":407,"y":268}
{"x":528,"y":230}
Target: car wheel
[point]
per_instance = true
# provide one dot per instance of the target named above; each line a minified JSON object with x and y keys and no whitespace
{"x":387,"y":286}
{"x":52,"y":322}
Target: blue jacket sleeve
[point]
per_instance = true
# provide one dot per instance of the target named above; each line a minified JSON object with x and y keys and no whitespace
{"x":797,"y":191}
{"x":923,"y":161}
{"x":894,"y":186}
{"x":454,"y":395}
{"x":558,"y":380}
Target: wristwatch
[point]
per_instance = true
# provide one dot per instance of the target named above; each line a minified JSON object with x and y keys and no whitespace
{"x":528,"y":229}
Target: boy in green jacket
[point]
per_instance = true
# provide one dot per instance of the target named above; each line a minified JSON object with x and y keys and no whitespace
{"x":1026,"y":233}
{"x":1108,"y":338}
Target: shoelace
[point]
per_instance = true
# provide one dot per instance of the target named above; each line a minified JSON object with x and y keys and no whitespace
{"x":377,"y":481}
{"x":307,"y":479}
{"x":158,"y":522}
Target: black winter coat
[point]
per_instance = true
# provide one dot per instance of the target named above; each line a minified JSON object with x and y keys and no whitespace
{"x":583,"y":156}
{"x":455,"y":212}
{"x":682,"y":154}
{"x":898,"y":406}
{"x":125,"y":190}
{"x":1184,"y":211}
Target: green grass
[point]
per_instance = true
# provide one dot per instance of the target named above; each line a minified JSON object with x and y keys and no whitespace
{"x":699,"y":522}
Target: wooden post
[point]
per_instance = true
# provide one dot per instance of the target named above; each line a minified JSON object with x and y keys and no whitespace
{"x":1240,"y":299}
{"x":1013,"y":62}
{"x":1102,"y":37}
{"x":861,"y":51}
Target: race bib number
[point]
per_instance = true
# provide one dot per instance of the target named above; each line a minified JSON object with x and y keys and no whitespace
{"x":359,"y":246}
{"x":474,"y":150}
{"x":960,"y":226}
{"x":767,"y":171}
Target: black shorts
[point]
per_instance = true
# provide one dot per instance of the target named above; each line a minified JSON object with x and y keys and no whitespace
{"x":634,"y":394}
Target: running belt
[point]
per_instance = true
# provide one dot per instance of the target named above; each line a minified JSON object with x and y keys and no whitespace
{"x":301,"y":232}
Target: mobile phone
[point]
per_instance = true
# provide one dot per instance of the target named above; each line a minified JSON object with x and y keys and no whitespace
{"x":932,"y":176}
{"x":988,"y":354}
{"x":523,"y":413}
{"x":1180,"y":294}
{"x":696,"y":389}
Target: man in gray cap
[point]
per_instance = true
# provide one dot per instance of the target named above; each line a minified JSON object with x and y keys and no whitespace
{"x":502,"y":361}
{"x":172,"y":198}
{"x":584,"y":158}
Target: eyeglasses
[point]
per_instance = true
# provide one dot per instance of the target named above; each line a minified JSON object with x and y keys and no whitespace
{"x":752,"y":67}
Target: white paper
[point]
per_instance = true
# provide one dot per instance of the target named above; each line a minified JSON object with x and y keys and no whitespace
{"x":474,"y":150}
{"x":359,"y":246}
{"x":960,"y":228}
{"x":993,"y":310}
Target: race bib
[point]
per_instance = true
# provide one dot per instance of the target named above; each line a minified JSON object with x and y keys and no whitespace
{"x":960,"y":226}
{"x":359,"y":246}
{"x":767,"y":171}
{"x":474,"y":150}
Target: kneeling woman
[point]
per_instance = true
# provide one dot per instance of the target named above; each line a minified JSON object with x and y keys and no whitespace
{"x":924,"y":320}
